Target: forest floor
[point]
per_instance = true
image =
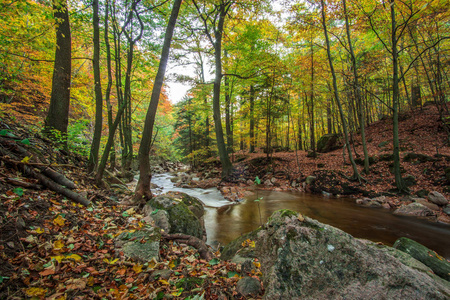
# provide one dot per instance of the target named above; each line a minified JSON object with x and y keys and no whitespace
{"x":54,"y":248}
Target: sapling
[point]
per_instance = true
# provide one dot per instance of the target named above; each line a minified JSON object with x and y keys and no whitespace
{"x":258,"y":199}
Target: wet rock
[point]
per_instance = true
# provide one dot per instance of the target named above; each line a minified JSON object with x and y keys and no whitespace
{"x":440,"y":266}
{"x":437,"y":198}
{"x":304,"y":259}
{"x":367,"y":202}
{"x":415,"y":210}
{"x":248,"y":286}
{"x":424,"y":202}
{"x":141,"y":245}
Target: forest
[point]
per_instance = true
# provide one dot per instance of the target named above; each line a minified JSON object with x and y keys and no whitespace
{"x":239,"y":86}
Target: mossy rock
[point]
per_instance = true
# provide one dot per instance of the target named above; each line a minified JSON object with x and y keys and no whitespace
{"x":230,"y":250}
{"x":439,"y":265}
{"x":328,"y":142}
{"x":360,"y":161}
{"x":386,"y":157}
{"x":141,"y":245}
{"x":383,"y":144}
{"x":277,"y":218}
{"x":182,"y":220}
{"x":409,"y":157}
{"x":194,"y":205}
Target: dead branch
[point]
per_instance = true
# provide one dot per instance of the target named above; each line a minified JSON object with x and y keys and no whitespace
{"x":192,"y":241}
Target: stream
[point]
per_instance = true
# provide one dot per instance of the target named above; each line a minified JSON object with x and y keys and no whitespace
{"x":225,"y":220}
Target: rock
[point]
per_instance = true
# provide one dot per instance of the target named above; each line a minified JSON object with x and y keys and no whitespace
{"x":374,"y":203}
{"x":310,"y":179}
{"x":304,"y":259}
{"x":161,"y":274}
{"x":328,"y":142}
{"x":268,"y":183}
{"x":415,"y":210}
{"x":424,"y":202}
{"x":409,"y":180}
{"x":440,"y":266}
{"x":437,"y":198}
{"x":418,"y":157}
{"x":447,"y":210}
{"x":141,"y":245}
{"x":422,"y":193}
{"x":248,"y":286}
{"x":447,"y":174}
{"x":184,"y":214}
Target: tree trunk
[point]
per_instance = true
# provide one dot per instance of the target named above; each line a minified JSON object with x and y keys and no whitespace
{"x":395,"y":94}
{"x":93,"y":156}
{"x":58,"y":113}
{"x":143,"y":186}
{"x":252,"y":119}
{"x":223,"y":154}
{"x":336,"y":95}
{"x":357,"y":91}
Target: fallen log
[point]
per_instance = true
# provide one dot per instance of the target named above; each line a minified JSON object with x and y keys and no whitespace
{"x":49,"y":183}
{"x":192,"y":241}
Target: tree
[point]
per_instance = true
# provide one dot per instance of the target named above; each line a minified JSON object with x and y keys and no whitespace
{"x":143,"y":186}
{"x":93,"y":156}
{"x":356,"y":175}
{"x":214,"y":21}
{"x":58,"y":113}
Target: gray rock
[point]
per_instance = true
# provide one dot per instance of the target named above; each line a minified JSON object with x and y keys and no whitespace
{"x":162,"y":202}
{"x":424,"y":202}
{"x":437,"y":198}
{"x":161,"y":274}
{"x":415,"y":210}
{"x":328,"y":142}
{"x":248,"y":286}
{"x":447,"y":210}
{"x":268,"y":183}
{"x":304,"y":259}
{"x":141,"y":245}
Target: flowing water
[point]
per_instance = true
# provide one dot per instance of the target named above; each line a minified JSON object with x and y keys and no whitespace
{"x":225,"y":221}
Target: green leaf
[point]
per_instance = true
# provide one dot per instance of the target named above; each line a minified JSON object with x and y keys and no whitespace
{"x":214,"y":261}
{"x":133,"y":288}
{"x":257,"y":180}
{"x":232,"y":274}
{"x":96,"y":288}
{"x":2,"y":278}
{"x":25,"y":142}
{"x":154,"y":212}
{"x":125,"y":214}
{"x":4,"y":132}
{"x":90,"y":209}
{"x":18,"y":191}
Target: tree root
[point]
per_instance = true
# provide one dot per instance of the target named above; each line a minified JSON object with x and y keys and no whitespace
{"x":189,"y":240}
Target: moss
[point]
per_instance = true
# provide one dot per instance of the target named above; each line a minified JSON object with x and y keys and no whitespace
{"x":234,"y":246}
{"x":182,"y":220}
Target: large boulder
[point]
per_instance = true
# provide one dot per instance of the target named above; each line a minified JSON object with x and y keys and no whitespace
{"x":304,"y":259}
{"x":328,"y":142}
{"x":177,"y":213}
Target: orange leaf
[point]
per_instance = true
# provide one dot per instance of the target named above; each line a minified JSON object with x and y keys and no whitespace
{"x":47,"y":272}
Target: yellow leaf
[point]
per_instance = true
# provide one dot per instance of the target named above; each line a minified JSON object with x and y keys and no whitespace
{"x":59,"y":221}
{"x":257,"y":264}
{"x":252,"y":244}
{"x":58,"y":245}
{"x":172,"y":264}
{"x":137,"y":268}
{"x":90,"y":281}
{"x":153,"y":263}
{"x":164,"y":282}
{"x":35,"y":292}
{"x":58,"y":258}
{"x":177,"y":293}
{"x":39,"y":230}
{"x":110,"y":262}
{"x":300,"y":218}
{"x":26,"y":159}
{"x":131,"y":211}
{"x":75,"y":257}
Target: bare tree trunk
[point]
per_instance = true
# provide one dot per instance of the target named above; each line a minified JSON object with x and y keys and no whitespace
{"x":93,"y":156}
{"x":143,"y":186}
{"x":356,"y":175}
{"x":58,"y":113}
